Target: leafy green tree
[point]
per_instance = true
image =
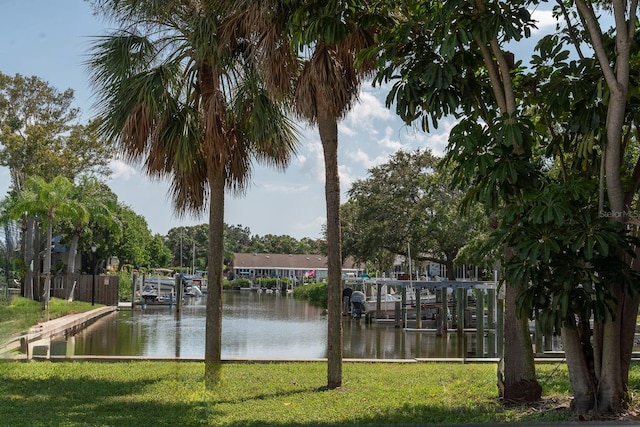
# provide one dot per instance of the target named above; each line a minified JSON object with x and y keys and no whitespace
{"x":181,"y":241}
{"x":40,"y":136}
{"x":134,"y":238}
{"x":99,"y":204}
{"x":51,"y":201}
{"x":159,"y":254}
{"x":556,"y":108}
{"x":270,"y":243}
{"x":236,"y":239}
{"x":354,"y":240}
{"x":307,"y":245}
{"x":410,"y":202}
{"x":194,"y":109}
{"x":591,"y":298}
{"x":447,"y":58}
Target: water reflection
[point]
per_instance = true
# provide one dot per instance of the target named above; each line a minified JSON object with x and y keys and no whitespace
{"x":259,"y":326}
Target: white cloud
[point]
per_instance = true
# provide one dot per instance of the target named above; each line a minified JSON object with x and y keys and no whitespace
{"x":284,"y":188}
{"x":308,"y":228}
{"x":437,"y":140}
{"x":345,"y":130}
{"x":314,"y":163}
{"x":544,"y":20}
{"x":299,"y":160}
{"x":121,"y":170}
{"x":346,"y":178}
{"x":365,"y":161}
{"x":368,"y":110}
{"x":389,"y":143}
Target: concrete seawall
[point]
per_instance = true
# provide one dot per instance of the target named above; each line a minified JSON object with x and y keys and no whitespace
{"x":44,"y":331}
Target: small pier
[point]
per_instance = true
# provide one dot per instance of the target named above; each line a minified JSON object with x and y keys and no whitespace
{"x":473,"y":310}
{"x":470,"y":309}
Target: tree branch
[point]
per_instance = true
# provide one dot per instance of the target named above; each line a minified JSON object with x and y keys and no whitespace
{"x":494,"y":75}
{"x":591,"y":23}
{"x":572,"y":29}
{"x":505,"y":72}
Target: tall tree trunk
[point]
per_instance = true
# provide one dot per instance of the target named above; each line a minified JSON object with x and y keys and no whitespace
{"x":47,"y":263}
{"x":611,"y":337}
{"x":28,"y":236}
{"x":451,"y":270}
{"x":328,"y":129}
{"x":611,"y":390}
{"x":73,"y":250}
{"x":612,"y":386}
{"x":628,"y":314}
{"x":519,"y":383}
{"x":71,"y":260}
{"x":580,"y":376}
{"x":213,"y":334}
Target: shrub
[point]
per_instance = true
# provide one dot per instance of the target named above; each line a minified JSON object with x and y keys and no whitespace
{"x":315,"y":293}
{"x":124,"y":287}
{"x":236,"y":284}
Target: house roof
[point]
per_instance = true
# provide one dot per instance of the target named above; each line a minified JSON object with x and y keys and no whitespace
{"x":285,"y":261}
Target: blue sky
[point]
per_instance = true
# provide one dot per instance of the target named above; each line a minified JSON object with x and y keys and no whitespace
{"x":49,"y":39}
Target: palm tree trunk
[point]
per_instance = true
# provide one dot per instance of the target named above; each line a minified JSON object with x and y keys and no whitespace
{"x":47,"y":264}
{"x":71,"y":261}
{"x":328,"y":129}
{"x":73,"y":249}
{"x":28,"y":235}
{"x":213,"y":338}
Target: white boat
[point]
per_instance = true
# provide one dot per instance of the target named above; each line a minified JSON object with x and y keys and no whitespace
{"x":388,"y":301}
{"x":162,"y":279}
{"x":149,"y":293}
{"x":200,"y":283}
{"x":192,"y":291}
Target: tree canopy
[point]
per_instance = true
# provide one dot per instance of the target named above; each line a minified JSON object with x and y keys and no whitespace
{"x":531,"y":142}
{"x":410,"y":202}
{"x":40,"y":133}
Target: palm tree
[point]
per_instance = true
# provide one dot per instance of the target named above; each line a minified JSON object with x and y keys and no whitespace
{"x":194,"y":111}
{"x":50,"y":201}
{"x":328,"y":36}
{"x":98,"y":204}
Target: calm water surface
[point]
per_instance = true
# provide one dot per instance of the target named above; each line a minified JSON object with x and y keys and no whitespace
{"x":255,"y":326}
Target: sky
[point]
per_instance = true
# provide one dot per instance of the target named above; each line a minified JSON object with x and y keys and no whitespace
{"x":50,"y":40}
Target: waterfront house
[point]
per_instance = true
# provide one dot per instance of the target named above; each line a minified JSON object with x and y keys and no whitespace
{"x":295,"y":266}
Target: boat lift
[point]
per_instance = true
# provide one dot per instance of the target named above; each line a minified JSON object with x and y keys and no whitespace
{"x":448,"y":296}
{"x":466,"y":306}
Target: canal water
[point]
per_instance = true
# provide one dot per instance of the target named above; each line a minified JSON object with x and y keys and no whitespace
{"x":260,"y":326}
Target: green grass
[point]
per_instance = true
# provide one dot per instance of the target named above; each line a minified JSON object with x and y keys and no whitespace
{"x":22,"y":313}
{"x":255,"y":394}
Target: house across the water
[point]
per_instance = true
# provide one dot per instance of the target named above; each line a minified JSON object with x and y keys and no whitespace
{"x":294,"y":266}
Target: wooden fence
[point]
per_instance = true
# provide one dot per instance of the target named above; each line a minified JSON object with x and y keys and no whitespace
{"x":106,"y":288}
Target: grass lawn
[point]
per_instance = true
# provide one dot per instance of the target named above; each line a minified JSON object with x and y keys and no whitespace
{"x":276,"y":394}
{"x":22,"y":313}
{"x":258,"y":394}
